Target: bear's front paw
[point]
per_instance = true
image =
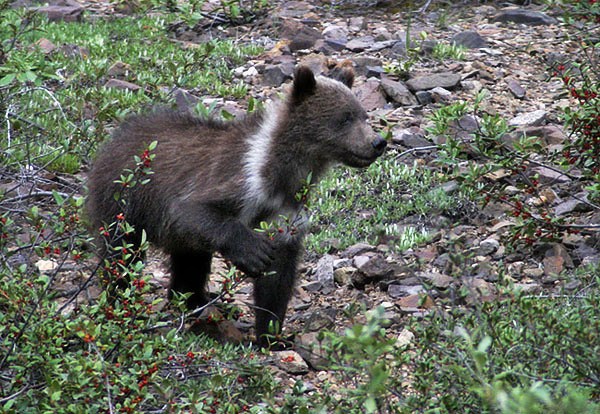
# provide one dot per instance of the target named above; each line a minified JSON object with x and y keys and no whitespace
{"x":254,"y":256}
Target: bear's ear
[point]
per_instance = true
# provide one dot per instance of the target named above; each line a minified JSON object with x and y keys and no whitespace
{"x":346,"y":76}
{"x":304,"y":83}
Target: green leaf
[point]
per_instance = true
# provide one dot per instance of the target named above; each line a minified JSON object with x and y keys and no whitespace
{"x":370,"y":405}
{"x":7,"y":80}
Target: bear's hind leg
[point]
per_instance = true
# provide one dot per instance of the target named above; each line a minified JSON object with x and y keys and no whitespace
{"x":189,"y":273}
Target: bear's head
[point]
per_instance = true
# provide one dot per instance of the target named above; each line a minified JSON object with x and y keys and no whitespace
{"x":330,"y":121}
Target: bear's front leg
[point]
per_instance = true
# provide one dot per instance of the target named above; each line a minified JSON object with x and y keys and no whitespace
{"x":273,"y":291}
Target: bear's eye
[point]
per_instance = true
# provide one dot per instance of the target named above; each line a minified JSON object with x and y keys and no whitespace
{"x":347,"y":119}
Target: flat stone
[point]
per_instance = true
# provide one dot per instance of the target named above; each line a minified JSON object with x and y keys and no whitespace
{"x":436,"y":279}
{"x":516,"y":89}
{"x":68,"y":11}
{"x":534,"y":118}
{"x":46,"y":266}
{"x":412,"y":137}
{"x":397,"y":291}
{"x":118,"y":69}
{"x":547,"y":175}
{"x":573,"y":204}
{"x":469,"y":39}
{"x":439,"y":94}
{"x":338,"y":33}
{"x":291,"y":362}
{"x":357,"y":249}
{"x":375,"y":71}
{"x":405,"y":338}
{"x":313,"y":286}
{"x":398,"y":92}
{"x":424,"y":97}
{"x":344,"y":275}
{"x":524,"y":16}
{"x":184,"y":100}
{"x":324,"y":273}
{"x":446,"y":80}
{"x":45,"y":45}
{"x":375,"y":268}
{"x":312,"y":350}
{"x":488,"y":247}
{"x":319,"y":320}
{"x":300,"y":35}
{"x":410,"y":302}
{"x":370,"y":95}
{"x":275,"y":75}
{"x":360,"y":43}
{"x":121,"y":84}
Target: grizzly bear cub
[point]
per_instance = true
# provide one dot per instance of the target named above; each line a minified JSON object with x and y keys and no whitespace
{"x":214,"y":182}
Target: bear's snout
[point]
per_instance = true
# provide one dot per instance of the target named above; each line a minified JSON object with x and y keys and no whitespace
{"x":379,"y":144}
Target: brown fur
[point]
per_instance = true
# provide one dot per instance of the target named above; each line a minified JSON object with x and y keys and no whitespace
{"x":214,"y":182}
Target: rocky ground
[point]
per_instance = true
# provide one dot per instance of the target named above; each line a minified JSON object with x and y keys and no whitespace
{"x":509,"y":52}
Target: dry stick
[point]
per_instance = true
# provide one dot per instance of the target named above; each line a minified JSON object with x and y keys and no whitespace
{"x":35,"y":194}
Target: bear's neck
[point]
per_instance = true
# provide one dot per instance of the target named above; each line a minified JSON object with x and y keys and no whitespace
{"x":279,"y":162}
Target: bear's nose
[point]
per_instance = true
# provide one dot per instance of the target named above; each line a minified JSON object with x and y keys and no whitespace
{"x":379,"y":144}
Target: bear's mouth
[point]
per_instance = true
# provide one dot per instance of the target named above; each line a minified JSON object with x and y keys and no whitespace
{"x":359,"y":160}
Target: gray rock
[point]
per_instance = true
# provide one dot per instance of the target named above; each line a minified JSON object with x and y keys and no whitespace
{"x":344,"y":275}
{"x":121,"y":84}
{"x":469,"y":39}
{"x":291,"y":362}
{"x":360,"y":43}
{"x":573,"y":204}
{"x":362,"y":63}
{"x":118,"y":69}
{"x":440,"y":95}
{"x":275,"y":75}
{"x":319,"y":320}
{"x":398,"y":49}
{"x":300,"y":35}
{"x":377,"y":46}
{"x":358,"y":248}
{"x":398,"y":291}
{"x":311,"y":350}
{"x":66,"y":10}
{"x":375,"y":71}
{"x":398,"y":92}
{"x":436,"y":279}
{"x":424,"y":97}
{"x":375,"y":268}
{"x":370,"y":95}
{"x":338,"y":33}
{"x":550,"y":134}
{"x":412,"y":137}
{"x":547,"y":176}
{"x":516,"y":89}
{"x":184,"y":100}
{"x":324,"y":273}
{"x":446,"y":80}
{"x":335,"y":37}
{"x":488,"y":247}
{"x":313,"y":286}
{"x":361,"y":260}
{"x":524,"y":16}
{"x":330,"y":45}
{"x":534,"y":118}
